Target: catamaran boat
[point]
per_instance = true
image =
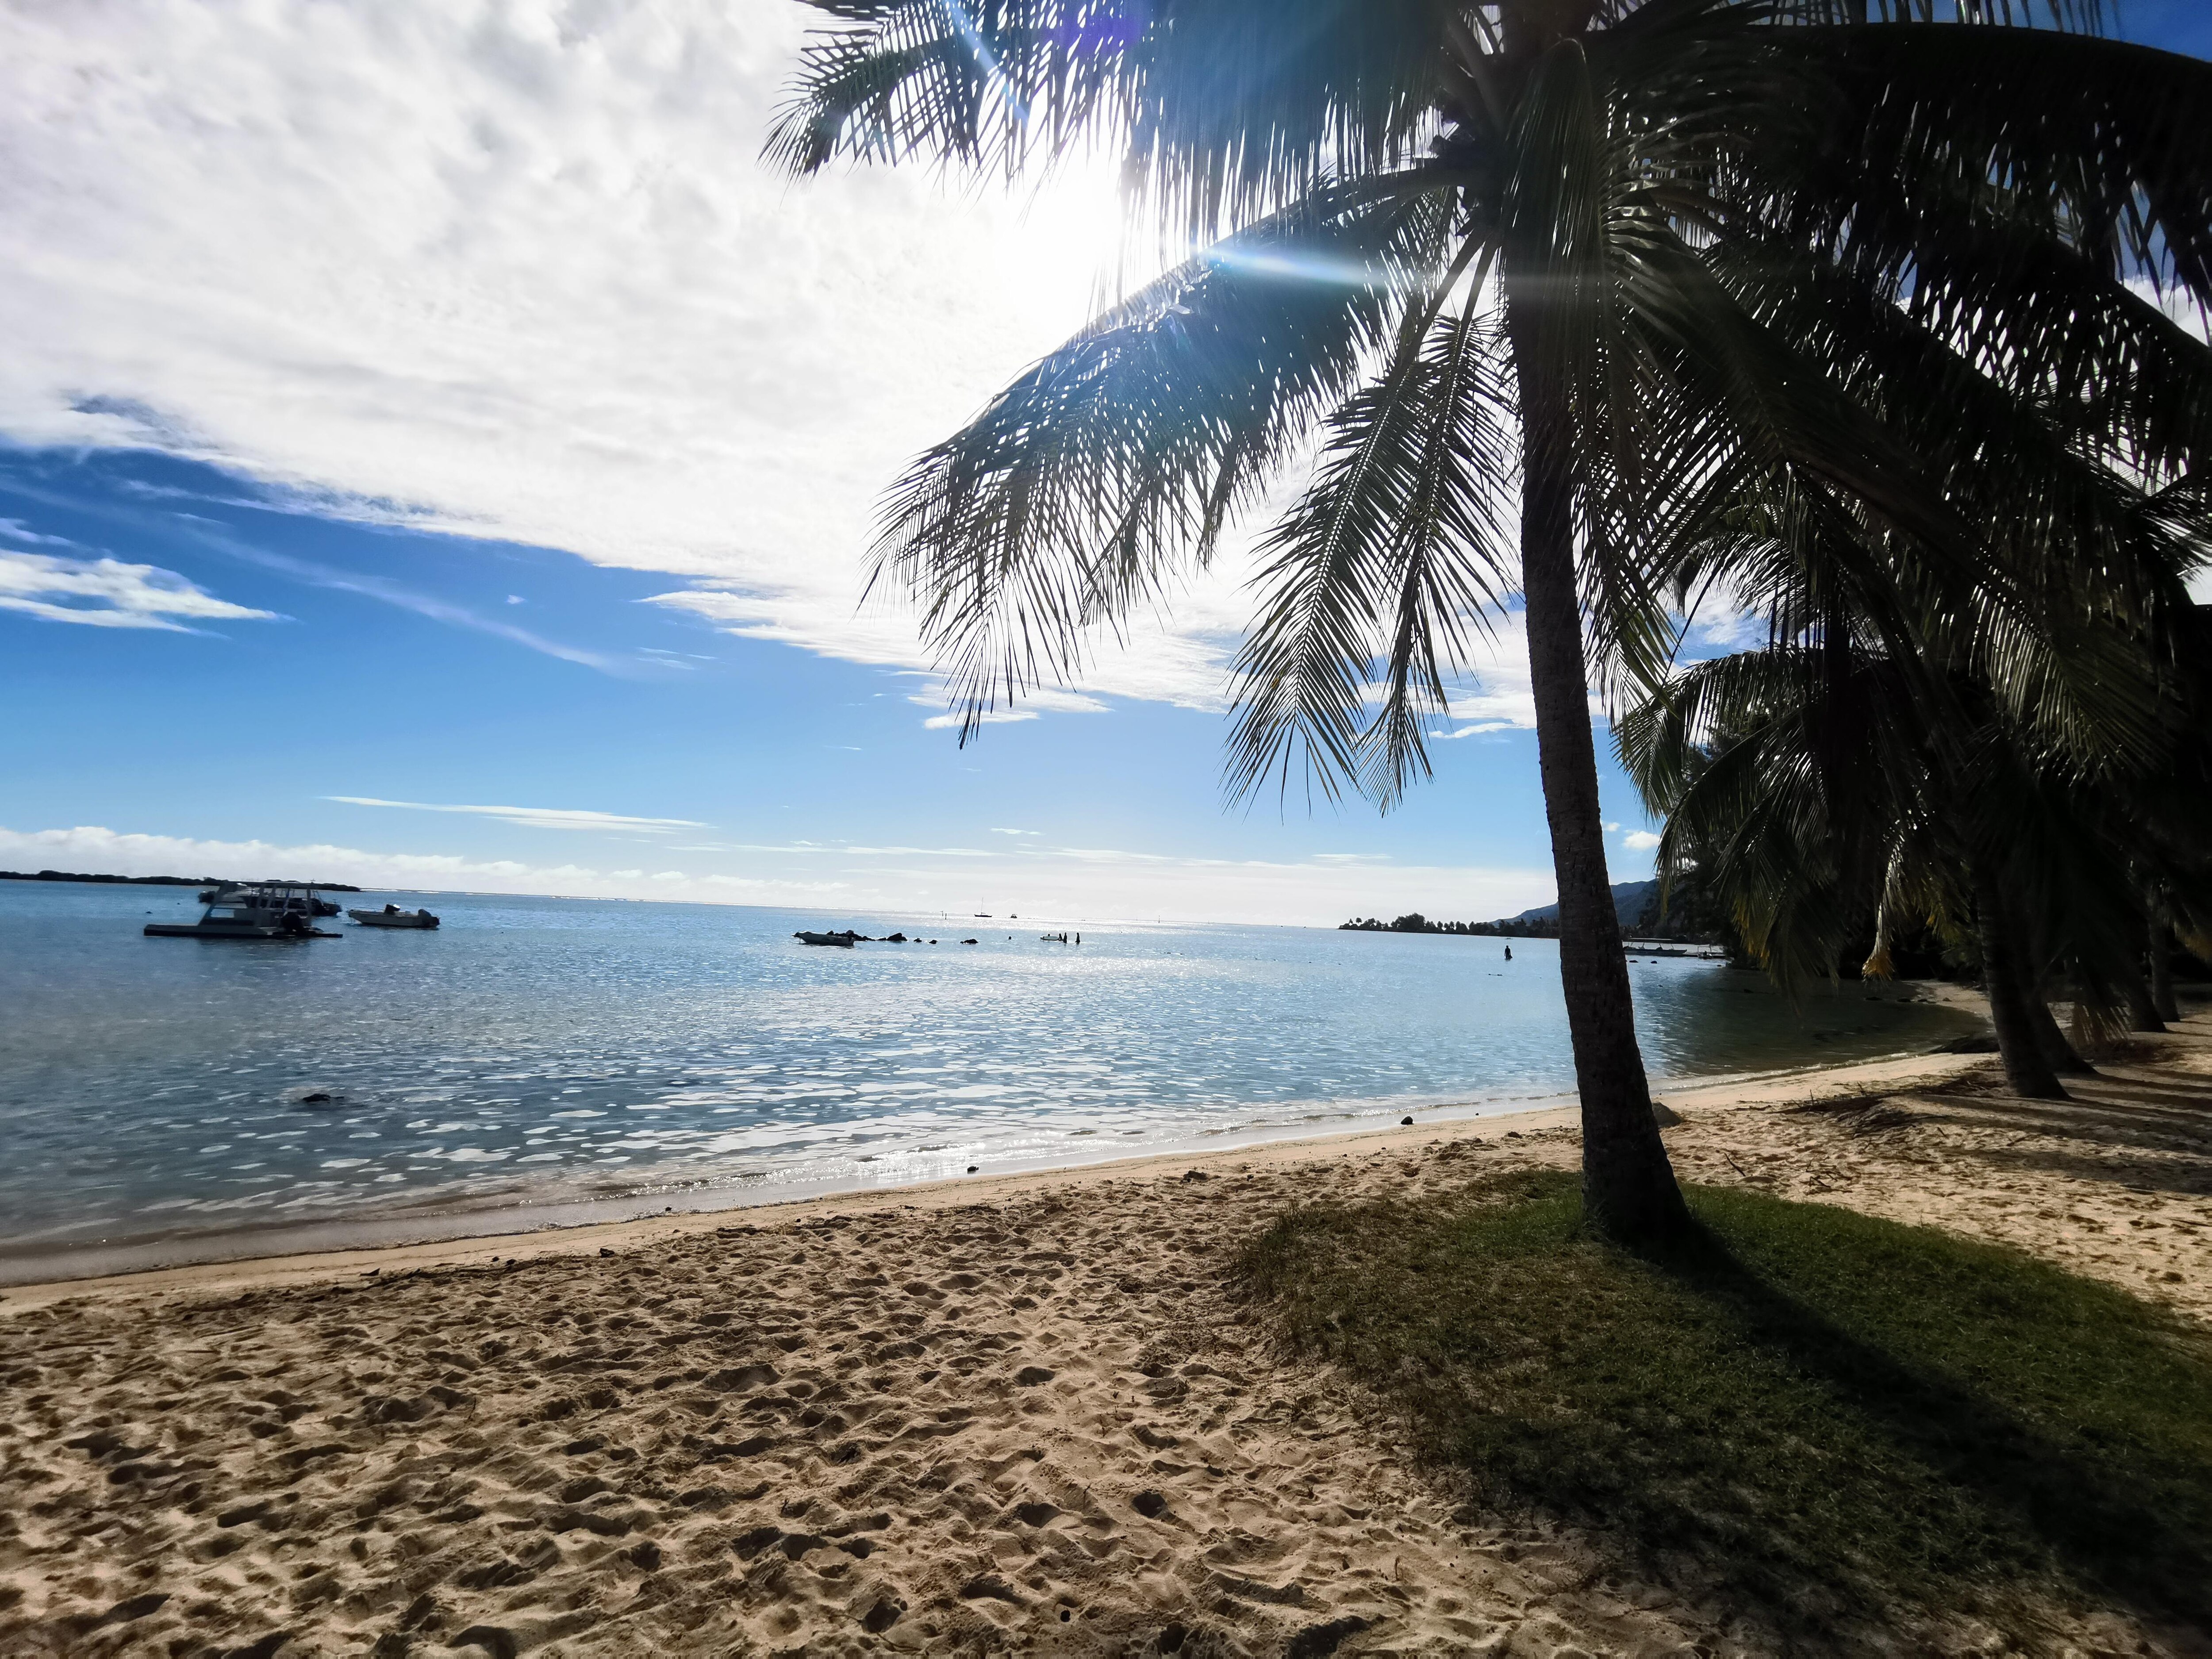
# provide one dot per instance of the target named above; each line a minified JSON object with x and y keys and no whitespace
{"x":270,"y":909}
{"x":215,"y":895}
{"x":392,"y":916}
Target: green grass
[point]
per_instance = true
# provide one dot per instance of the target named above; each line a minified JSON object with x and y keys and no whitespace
{"x":1815,"y":1416}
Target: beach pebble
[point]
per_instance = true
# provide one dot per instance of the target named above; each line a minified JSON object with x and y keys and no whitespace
{"x":1405,"y":1123}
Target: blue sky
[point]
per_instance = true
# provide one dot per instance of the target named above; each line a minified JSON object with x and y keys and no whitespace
{"x":433,"y":403}
{"x":590,"y":698}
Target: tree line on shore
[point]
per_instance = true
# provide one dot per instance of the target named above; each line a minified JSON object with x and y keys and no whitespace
{"x":1415,"y":922}
{"x":1875,"y":321}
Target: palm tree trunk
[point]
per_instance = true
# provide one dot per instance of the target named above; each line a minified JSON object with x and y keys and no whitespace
{"x":1629,"y":1190}
{"x":2058,"y":1049}
{"x":2161,"y":969}
{"x":2026,"y":1067}
{"x":2142,"y":1008}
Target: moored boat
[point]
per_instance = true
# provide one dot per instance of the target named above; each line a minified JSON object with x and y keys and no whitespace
{"x":392,"y":916}
{"x":266,"y":910}
{"x":319,"y":906}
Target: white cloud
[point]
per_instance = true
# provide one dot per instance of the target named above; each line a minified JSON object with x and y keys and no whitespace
{"x":1076,"y":884}
{"x":512,"y":268}
{"x":988,"y":717}
{"x":536,"y":817}
{"x":406,"y":598}
{"x":1639,"y":840}
{"x":17,"y":531}
{"x":996,"y":831}
{"x":109,"y":593}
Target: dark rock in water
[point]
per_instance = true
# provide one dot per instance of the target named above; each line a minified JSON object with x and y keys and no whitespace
{"x":972,"y":1167}
{"x":1405,"y":1123}
{"x":970,"y":941}
{"x":894,"y":939}
{"x":1149,"y":1504}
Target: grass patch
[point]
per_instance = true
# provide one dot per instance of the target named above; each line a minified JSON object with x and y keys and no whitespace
{"x":1814,"y":1414}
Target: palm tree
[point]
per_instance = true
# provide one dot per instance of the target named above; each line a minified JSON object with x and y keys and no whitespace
{"x":1531,"y":269}
{"x":1827,"y":782}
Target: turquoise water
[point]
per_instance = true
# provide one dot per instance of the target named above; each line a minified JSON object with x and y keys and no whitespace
{"x":541,"y":1057}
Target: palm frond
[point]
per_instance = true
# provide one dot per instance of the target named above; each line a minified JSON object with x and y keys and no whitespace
{"x":1077,"y":491}
{"x":1225,"y":112}
{"x":1931,"y":125}
{"x":1394,"y":551}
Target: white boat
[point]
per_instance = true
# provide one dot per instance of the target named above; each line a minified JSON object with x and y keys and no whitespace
{"x":392,"y":916}
{"x":268,"y":910}
{"x":323,"y":907}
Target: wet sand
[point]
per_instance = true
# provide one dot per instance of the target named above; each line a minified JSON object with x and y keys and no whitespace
{"x":1019,"y":1412}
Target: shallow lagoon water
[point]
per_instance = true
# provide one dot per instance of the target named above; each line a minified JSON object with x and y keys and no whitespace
{"x":570,"y":1058}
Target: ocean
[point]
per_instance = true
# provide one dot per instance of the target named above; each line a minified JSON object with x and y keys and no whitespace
{"x":541,"y":1062}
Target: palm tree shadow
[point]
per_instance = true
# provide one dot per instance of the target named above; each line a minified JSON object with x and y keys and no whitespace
{"x":2090,"y":1513}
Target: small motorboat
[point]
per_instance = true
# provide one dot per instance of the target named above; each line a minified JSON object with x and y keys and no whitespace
{"x":268,"y":910}
{"x":845,"y":939}
{"x":392,"y":916}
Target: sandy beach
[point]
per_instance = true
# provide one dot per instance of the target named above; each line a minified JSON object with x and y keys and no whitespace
{"x":1019,"y":1413}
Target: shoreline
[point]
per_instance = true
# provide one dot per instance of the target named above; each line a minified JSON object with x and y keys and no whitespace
{"x":1271,"y":1149}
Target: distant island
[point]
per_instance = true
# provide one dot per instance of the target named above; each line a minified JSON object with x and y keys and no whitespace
{"x":164,"y":881}
{"x":1634,"y":902}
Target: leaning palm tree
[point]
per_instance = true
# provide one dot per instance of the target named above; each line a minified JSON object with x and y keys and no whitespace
{"x":1525,"y":270}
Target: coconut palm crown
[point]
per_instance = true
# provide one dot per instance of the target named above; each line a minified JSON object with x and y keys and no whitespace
{"x":1537,"y":277}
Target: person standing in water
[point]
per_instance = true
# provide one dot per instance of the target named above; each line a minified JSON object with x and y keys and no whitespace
{"x":1509,"y":953}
